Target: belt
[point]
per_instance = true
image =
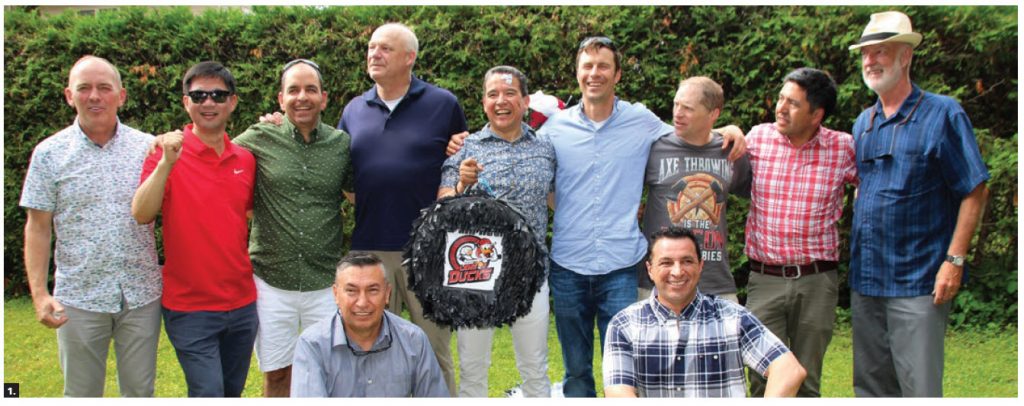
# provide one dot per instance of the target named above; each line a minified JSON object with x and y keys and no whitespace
{"x":794,"y":271}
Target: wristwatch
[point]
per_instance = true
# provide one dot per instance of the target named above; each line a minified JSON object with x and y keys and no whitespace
{"x":957,"y":260}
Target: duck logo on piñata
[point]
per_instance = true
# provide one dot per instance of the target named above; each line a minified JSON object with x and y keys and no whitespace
{"x":473,"y":262}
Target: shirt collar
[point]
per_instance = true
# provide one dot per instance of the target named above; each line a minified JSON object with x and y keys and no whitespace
{"x":583,"y":115}
{"x":905,"y":108}
{"x":81,"y":133}
{"x":416,"y":88}
{"x":663,"y":313}
{"x":289,"y":128}
{"x":193,"y":144}
{"x":338,"y":337}
{"x":487,"y":133}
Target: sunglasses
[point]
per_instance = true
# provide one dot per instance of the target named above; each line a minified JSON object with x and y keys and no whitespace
{"x":600,"y":40}
{"x":218,"y":96}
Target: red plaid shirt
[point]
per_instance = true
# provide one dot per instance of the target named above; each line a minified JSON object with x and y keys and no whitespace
{"x":797,"y":195}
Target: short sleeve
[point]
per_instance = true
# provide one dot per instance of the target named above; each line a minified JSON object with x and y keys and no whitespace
{"x":40,"y":189}
{"x":757,"y":344}
{"x":741,"y":177}
{"x":962,"y":166}
{"x":618,"y":364}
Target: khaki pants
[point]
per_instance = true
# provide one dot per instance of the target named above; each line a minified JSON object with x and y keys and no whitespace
{"x":440,"y":337}
{"x":83,"y":342}
{"x":802,"y":313}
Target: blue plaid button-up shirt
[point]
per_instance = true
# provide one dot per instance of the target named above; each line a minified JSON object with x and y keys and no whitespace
{"x":915,"y":167}
{"x":699,"y":353}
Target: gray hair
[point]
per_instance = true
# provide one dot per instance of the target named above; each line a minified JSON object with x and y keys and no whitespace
{"x":410,"y":37}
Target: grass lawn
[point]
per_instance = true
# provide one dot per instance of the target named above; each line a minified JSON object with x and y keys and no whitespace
{"x":978,"y":363}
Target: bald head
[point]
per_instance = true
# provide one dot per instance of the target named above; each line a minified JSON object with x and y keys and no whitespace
{"x":93,"y":62}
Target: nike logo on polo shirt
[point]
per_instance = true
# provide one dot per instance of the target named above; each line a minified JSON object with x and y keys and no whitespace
{"x":238,"y":171}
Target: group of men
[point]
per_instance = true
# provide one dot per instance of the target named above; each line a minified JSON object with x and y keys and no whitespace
{"x":224,"y":290}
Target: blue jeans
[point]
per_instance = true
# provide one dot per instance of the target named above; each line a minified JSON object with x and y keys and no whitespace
{"x":213,"y":348}
{"x":578,"y":299}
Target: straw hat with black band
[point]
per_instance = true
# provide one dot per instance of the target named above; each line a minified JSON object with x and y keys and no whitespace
{"x":889,"y":26}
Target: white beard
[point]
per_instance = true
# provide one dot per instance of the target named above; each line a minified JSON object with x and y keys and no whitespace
{"x":890,"y":77}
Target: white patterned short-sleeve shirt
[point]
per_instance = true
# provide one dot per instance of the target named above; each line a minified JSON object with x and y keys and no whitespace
{"x":101,"y":253}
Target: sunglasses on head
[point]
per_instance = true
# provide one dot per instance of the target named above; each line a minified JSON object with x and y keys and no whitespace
{"x":600,"y":40}
{"x":218,"y":96}
{"x":298,"y":61}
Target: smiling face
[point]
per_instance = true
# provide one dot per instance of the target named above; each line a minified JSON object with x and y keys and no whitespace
{"x":361,"y":293}
{"x":504,"y":103}
{"x":95,"y":92}
{"x":210,"y":117}
{"x":794,"y":116}
{"x":597,"y":75}
{"x":884,"y":65}
{"x":675,"y":267}
{"x":388,"y":55}
{"x":301,"y":97}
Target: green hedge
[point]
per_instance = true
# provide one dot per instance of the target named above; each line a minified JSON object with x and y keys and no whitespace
{"x":969,"y":53}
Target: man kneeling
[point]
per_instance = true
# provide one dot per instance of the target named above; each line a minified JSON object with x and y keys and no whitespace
{"x":682,"y":343}
{"x":364,"y":350}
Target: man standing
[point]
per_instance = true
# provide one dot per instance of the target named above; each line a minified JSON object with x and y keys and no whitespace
{"x":400,"y":129}
{"x":690,"y":179}
{"x":79,"y":184}
{"x":520,"y":169}
{"x":801,"y":170}
{"x":365,"y":350}
{"x":303,"y":169}
{"x":602,"y":145}
{"x":922,"y":191}
{"x":682,"y":343}
{"x":203,"y":185}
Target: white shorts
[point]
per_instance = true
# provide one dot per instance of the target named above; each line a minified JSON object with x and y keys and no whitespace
{"x":283,"y":314}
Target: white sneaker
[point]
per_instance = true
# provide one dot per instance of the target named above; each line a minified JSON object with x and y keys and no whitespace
{"x":556,"y":390}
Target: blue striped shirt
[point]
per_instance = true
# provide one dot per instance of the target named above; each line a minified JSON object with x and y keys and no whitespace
{"x":598,"y":184}
{"x":699,"y":353}
{"x":914,"y":173}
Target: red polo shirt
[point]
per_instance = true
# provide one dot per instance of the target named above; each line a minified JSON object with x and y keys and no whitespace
{"x":206,"y":237}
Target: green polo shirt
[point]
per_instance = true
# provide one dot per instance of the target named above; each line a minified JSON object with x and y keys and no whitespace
{"x":297,"y":227}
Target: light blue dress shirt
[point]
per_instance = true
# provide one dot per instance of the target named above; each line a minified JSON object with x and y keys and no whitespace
{"x":598,"y":184}
{"x":401,"y":363}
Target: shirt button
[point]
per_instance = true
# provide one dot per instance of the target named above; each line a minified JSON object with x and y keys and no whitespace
{"x":369,"y":381}
{"x":714,"y":357}
{"x":679,"y":358}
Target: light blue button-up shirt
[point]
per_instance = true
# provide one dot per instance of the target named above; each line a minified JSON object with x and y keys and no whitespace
{"x":401,"y":363}
{"x":598,"y":184}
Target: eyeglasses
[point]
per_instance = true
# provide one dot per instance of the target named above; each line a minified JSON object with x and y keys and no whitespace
{"x":387,"y":343}
{"x":298,"y":61}
{"x":218,"y":96}
{"x":600,"y":40}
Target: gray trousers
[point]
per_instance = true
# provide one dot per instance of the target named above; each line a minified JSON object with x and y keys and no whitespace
{"x":440,"y":337}
{"x":83,"y":343}
{"x":898,"y":346}
{"x":802,"y":313}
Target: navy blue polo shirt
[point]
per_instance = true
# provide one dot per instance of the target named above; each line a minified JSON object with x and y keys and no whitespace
{"x":397,"y":157}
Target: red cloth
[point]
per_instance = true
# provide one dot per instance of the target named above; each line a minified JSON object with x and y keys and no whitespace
{"x":797,"y":195}
{"x":206,"y":232}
